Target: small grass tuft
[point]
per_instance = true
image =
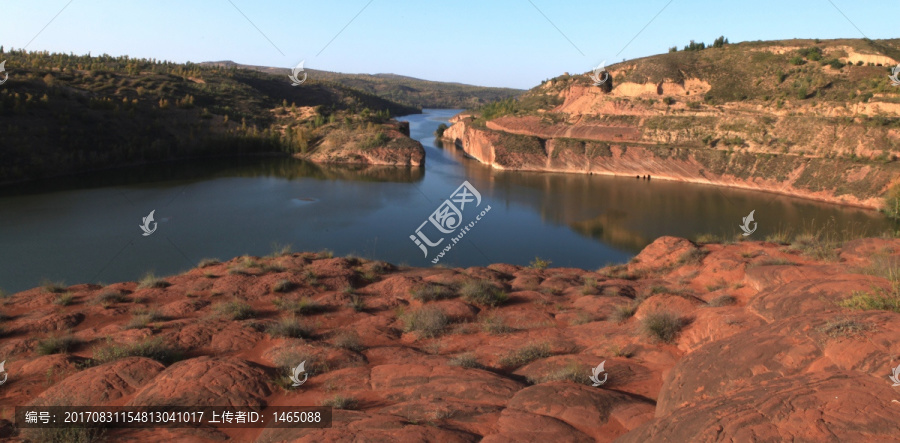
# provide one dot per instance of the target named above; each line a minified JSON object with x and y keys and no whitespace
{"x":207,"y":262}
{"x":152,"y":281}
{"x":348,"y":340}
{"x":429,"y":321}
{"x":693,"y":256}
{"x":283,"y":285}
{"x":53,"y":287}
{"x":298,"y":306}
{"x":64,"y":299}
{"x":722,"y":300}
{"x":843,"y":327}
{"x":289,"y":327}
{"x":235,"y":310}
{"x":154,"y":348}
{"x":431,"y":292}
{"x":571,"y":371}
{"x":110,"y":297}
{"x":56,"y":345}
{"x":539,"y":263}
{"x":495,"y":325}
{"x":466,"y":360}
{"x":357,"y":303}
{"x":621,"y":313}
{"x":524,"y":355}
{"x":662,"y":325}
{"x":341,"y":402}
{"x":483,"y":292}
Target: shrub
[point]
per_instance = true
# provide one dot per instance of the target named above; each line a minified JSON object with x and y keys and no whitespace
{"x":289,"y":327}
{"x":428,"y":321}
{"x":154,"y":348}
{"x":341,"y":402}
{"x":283,"y":285}
{"x":466,"y":360}
{"x":236,"y":310}
{"x":375,"y":141}
{"x":483,"y":292}
{"x":432,"y":291}
{"x":539,"y":263}
{"x":525,"y":355}
{"x":662,"y":325}
{"x":439,"y":132}
{"x":668,"y":100}
{"x":152,"y":281}
{"x":56,"y":345}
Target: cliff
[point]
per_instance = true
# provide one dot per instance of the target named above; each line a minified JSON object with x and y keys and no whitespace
{"x":818,"y":120}
{"x":741,"y":342}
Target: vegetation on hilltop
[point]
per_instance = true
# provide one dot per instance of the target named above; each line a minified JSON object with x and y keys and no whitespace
{"x":401,"y":89}
{"x":65,"y":113}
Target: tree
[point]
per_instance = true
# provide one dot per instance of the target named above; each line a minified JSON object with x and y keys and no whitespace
{"x":720,"y":42}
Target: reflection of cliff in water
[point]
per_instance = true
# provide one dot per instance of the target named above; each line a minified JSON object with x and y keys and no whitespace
{"x":629,"y":213}
{"x":367,"y":173}
{"x":190,"y":171}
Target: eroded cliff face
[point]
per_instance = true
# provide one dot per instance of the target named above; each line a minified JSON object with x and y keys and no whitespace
{"x":619,"y":152}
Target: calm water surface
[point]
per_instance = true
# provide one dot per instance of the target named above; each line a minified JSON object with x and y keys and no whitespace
{"x":86,"y":228}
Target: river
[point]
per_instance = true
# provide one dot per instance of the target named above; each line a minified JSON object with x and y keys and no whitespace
{"x":87,"y":228}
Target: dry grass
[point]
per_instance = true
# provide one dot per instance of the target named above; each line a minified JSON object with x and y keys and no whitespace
{"x":466,"y":360}
{"x":150,"y":281}
{"x":341,"y":402}
{"x":56,"y":345}
{"x":431,"y":292}
{"x":662,"y":325}
{"x":483,"y":292}
{"x":526,"y":354}
{"x":154,"y":348}
{"x":289,"y":327}
{"x":235,"y":310}
{"x":428,"y":321}
{"x":843,"y":327}
{"x":722,"y":300}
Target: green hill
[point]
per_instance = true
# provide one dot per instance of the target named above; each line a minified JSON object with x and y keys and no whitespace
{"x":65,"y":113}
{"x":401,"y":89}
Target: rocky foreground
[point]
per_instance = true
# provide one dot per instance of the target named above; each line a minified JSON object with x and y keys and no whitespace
{"x":738,"y":342}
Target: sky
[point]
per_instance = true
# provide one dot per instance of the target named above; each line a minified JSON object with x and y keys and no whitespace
{"x":509,"y":43}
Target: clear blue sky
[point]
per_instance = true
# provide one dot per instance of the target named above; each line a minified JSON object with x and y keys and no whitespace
{"x":483,"y":42}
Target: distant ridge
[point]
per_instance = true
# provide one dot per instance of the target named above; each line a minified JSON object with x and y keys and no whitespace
{"x":402,"y":89}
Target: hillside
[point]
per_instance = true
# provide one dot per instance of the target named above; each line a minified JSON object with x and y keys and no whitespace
{"x":748,"y":341}
{"x":66,"y":113}
{"x":401,"y":89}
{"x":817,"y":119}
